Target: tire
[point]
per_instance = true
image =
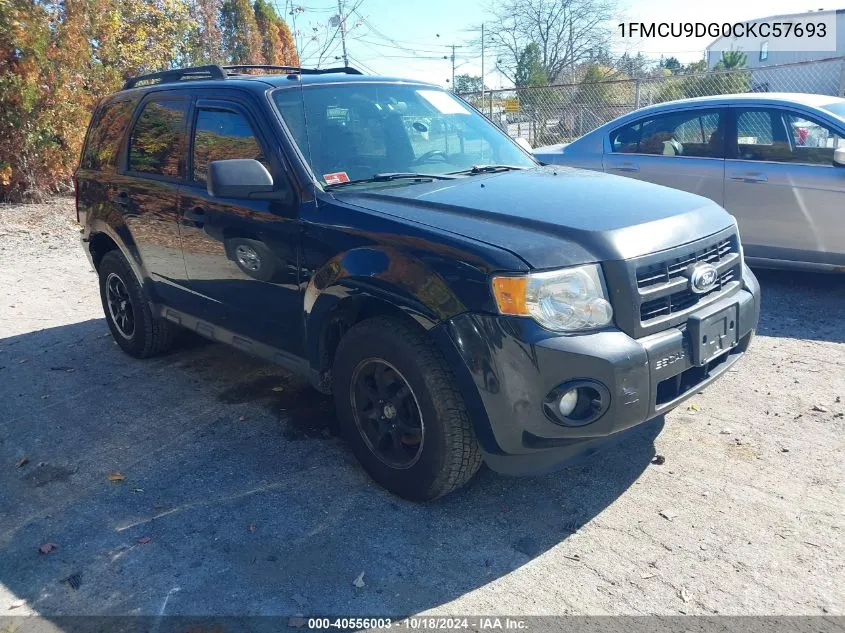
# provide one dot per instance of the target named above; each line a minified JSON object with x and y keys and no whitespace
{"x":446,"y":454}
{"x":147,"y":335}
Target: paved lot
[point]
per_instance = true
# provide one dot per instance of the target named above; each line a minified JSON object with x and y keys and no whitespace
{"x":237,"y":497}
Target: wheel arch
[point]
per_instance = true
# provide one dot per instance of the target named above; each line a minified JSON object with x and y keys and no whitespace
{"x":103,"y":238}
{"x":364,"y":283}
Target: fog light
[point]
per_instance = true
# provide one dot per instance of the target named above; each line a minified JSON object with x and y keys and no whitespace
{"x":568,"y":401}
{"x":577,"y":402}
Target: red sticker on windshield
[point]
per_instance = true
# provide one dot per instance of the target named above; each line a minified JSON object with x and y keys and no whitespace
{"x":336,"y":178}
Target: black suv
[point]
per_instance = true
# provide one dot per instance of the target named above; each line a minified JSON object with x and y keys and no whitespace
{"x":461,"y":301}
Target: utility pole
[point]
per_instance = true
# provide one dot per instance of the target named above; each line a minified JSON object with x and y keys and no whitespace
{"x":453,"y":65}
{"x":342,"y":25}
{"x":482,"y":65}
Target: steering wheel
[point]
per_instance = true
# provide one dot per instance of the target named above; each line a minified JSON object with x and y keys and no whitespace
{"x":423,"y":158}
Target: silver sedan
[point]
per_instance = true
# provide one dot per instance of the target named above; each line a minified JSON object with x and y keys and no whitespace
{"x":775,"y":161}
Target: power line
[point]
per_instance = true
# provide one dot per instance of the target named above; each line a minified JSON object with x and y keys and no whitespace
{"x":380,"y":54}
{"x":360,"y":38}
{"x":369,"y":69}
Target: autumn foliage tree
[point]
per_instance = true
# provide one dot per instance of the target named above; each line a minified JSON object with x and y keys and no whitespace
{"x":57,"y":59}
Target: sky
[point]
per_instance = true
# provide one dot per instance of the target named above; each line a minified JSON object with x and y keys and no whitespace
{"x":412,"y":38}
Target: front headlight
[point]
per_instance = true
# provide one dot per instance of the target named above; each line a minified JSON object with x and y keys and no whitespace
{"x":566,"y":300}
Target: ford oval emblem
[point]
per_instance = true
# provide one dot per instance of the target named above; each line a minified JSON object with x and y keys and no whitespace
{"x":703,"y":278}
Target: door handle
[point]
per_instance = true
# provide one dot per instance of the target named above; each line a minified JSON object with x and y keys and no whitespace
{"x":123,"y":198}
{"x":750,"y":177}
{"x":626,"y":167}
{"x":195,"y":216}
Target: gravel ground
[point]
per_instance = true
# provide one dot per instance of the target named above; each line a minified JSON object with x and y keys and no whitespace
{"x":236,"y":496}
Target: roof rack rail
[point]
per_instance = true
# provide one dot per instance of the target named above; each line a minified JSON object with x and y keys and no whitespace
{"x":296,"y":69}
{"x":211,"y":71}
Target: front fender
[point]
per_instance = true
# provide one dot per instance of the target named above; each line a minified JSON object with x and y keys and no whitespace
{"x":384,"y":274}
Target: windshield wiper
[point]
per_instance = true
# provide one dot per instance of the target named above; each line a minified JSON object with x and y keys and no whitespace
{"x":399,"y":175}
{"x":484,"y":169}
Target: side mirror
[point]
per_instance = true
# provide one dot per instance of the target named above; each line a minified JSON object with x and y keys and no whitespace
{"x":839,"y":157}
{"x":524,"y":144}
{"x":238,"y":178}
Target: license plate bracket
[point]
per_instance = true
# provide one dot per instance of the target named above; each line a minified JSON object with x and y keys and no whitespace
{"x":712,"y":334}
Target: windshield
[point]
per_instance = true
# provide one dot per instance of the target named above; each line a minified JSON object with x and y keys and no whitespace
{"x":354,"y":131}
{"x":836,"y":107}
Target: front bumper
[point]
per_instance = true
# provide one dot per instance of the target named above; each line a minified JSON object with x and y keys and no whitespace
{"x":509,"y":365}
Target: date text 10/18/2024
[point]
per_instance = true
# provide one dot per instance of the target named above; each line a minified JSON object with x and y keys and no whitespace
{"x":420,"y":623}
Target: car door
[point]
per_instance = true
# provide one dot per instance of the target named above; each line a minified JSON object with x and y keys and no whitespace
{"x":240,"y":254}
{"x":679,"y":149}
{"x":783,"y":188}
{"x":146,"y":189}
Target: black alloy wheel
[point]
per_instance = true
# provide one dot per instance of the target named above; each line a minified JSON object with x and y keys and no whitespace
{"x":387,"y":413}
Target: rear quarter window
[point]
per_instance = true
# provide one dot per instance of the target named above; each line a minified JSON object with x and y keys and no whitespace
{"x":105,"y":136}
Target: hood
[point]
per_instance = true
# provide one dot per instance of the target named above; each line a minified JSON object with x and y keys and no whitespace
{"x":551,"y":149}
{"x":553,"y":216}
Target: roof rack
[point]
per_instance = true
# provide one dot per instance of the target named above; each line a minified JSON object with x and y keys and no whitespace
{"x":213,"y":71}
{"x":296,"y":69}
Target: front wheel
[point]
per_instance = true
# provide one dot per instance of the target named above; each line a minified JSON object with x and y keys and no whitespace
{"x":400,"y":411}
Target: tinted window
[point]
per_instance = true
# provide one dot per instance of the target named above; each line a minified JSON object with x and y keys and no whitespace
{"x":354,"y":131}
{"x":695,"y":133}
{"x":156,"y":143}
{"x":221,"y":135}
{"x":782,"y":137}
{"x":107,"y":129}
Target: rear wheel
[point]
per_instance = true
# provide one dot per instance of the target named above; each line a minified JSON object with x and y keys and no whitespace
{"x":127,"y":310}
{"x":400,"y":411}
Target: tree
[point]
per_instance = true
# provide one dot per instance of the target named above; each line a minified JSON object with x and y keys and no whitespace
{"x":529,"y":68}
{"x":634,"y":67}
{"x":695,"y":67}
{"x":536,"y":98}
{"x":276,"y":41}
{"x":566,"y":32}
{"x":208,"y":40}
{"x":671,"y":64}
{"x":240,"y":35}
{"x":58,"y":58}
{"x":467,"y":83}
{"x":732,"y":59}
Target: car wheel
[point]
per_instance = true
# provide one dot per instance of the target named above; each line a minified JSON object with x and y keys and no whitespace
{"x":253,"y":258}
{"x":127,"y":310}
{"x":400,"y":411}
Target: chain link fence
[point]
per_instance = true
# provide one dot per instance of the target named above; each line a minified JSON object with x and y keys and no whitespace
{"x":545,"y":115}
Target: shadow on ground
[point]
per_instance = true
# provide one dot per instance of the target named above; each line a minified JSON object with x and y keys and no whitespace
{"x":802,"y":305}
{"x":237,"y":497}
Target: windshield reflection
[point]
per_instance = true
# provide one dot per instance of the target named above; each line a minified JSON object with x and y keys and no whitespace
{"x":355,"y":131}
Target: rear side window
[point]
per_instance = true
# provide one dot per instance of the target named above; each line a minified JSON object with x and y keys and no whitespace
{"x":106,"y":133}
{"x":695,"y":133}
{"x":221,"y":135}
{"x":157,"y":139}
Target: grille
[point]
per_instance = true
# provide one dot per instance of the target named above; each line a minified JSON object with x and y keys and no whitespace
{"x":671,"y":269}
{"x":663,"y":280}
{"x":679,"y":301}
